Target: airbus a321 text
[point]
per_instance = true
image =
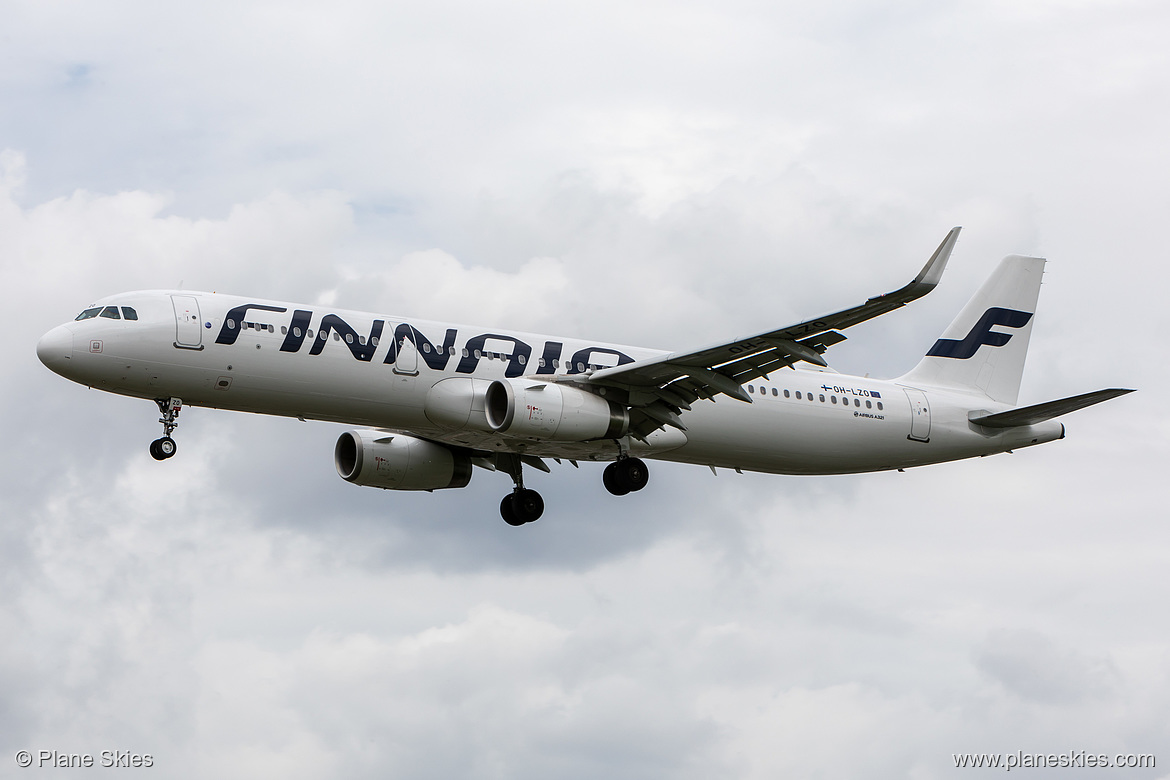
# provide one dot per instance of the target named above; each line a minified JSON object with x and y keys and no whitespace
{"x":428,"y":401}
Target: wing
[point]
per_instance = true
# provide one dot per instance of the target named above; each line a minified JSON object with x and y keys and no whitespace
{"x":660,"y":389}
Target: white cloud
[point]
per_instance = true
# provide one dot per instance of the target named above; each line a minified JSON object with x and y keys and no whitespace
{"x":665,"y":175}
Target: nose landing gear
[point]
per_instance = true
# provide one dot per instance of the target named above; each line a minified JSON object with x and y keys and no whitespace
{"x":161,"y":449}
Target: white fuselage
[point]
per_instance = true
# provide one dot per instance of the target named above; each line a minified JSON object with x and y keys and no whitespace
{"x":269,"y":357}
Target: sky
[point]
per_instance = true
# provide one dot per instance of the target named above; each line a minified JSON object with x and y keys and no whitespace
{"x":659,"y":174}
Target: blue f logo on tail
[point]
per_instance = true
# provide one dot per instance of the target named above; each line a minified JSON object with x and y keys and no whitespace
{"x":981,"y":334}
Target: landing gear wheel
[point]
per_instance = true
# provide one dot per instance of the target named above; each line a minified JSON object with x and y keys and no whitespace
{"x":508,"y":512}
{"x":630,"y":474}
{"x":609,"y":479}
{"x":528,"y":505}
{"x":161,"y":449}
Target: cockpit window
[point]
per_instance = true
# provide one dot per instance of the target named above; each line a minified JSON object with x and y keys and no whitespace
{"x":88,"y":313}
{"x":129,"y":313}
{"x":111,"y":313}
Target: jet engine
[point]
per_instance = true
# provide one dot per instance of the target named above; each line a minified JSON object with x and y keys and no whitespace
{"x":551,"y":412}
{"x":398,"y":462}
{"x":457,"y":404}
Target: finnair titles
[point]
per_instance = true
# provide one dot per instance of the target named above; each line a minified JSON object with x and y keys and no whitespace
{"x":429,"y":401}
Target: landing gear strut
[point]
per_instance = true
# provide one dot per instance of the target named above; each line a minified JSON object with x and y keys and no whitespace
{"x":521,"y":505}
{"x":625,"y":475}
{"x":161,"y":449}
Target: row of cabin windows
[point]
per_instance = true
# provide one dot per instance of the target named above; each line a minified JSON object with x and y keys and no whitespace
{"x":109,"y":312}
{"x":426,"y":347}
{"x":844,"y":400}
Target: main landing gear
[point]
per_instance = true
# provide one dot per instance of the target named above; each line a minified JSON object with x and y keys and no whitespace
{"x":161,"y":449}
{"x":625,"y":475}
{"x":521,"y":505}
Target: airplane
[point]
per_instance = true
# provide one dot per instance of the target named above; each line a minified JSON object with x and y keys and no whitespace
{"x":429,"y":401}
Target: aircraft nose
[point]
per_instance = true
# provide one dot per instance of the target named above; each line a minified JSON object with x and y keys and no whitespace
{"x":55,"y":349}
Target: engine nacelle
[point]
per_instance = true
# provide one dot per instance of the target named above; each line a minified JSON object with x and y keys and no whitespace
{"x":552,"y":412}
{"x":398,"y":462}
{"x":457,"y":404}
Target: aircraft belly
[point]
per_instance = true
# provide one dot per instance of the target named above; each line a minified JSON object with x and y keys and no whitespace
{"x":800,"y":437}
{"x":657,"y":444}
{"x":351,"y":397}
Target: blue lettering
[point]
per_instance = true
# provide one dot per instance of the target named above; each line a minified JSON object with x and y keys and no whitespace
{"x":297,"y":331}
{"x":583,"y":358}
{"x":435,"y":356}
{"x":516,"y":361}
{"x":361,"y":351}
{"x":230,"y":331}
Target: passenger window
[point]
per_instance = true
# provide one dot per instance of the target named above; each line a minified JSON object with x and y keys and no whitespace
{"x":869,"y":404}
{"x":880,"y":407}
{"x":129,"y":313}
{"x":751,"y":389}
{"x":522,"y":359}
{"x":775,"y":392}
{"x":797,"y":395}
{"x":89,"y":314}
{"x":374,"y":341}
{"x":857,"y":402}
{"x":348,"y":338}
{"x":787,"y":395}
{"x":111,"y":313}
{"x":833,"y":398}
{"x":823,"y":398}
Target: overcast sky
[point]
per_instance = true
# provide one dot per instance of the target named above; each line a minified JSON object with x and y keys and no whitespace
{"x":658,"y":174}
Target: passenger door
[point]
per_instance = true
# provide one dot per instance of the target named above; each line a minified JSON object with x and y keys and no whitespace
{"x":188,"y":330}
{"x":919,"y":415}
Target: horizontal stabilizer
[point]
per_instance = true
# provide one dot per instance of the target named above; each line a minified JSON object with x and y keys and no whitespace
{"x":1031,"y":415}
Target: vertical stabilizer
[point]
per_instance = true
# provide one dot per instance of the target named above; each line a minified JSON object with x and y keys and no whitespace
{"x":983,"y":350}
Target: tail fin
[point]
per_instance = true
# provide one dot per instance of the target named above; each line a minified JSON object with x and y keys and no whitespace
{"x":970,"y":355}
